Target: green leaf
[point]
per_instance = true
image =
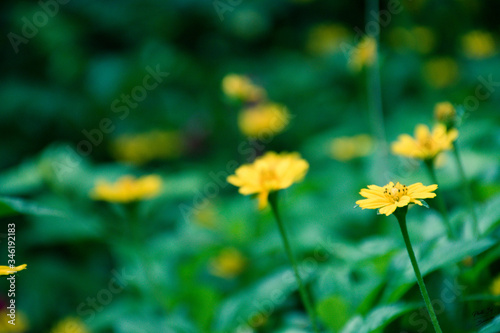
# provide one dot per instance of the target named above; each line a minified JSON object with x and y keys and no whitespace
{"x":334,"y":312}
{"x":492,"y":327}
{"x":14,"y":206}
{"x":378,"y":318}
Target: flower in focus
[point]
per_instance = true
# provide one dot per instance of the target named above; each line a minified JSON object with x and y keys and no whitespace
{"x":242,"y":88}
{"x":445,"y":112}
{"x":478,"y":44}
{"x":425,"y":145}
{"x":390,"y":197}
{"x":326,"y":38}
{"x":7,"y":270}
{"x":20,"y":326}
{"x":348,"y":148}
{"x":266,"y":119}
{"x":269,"y":173}
{"x":441,"y":72}
{"x":70,"y":325}
{"x":228,"y":264}
{"x":145,"y":147}
{"x":127,"y":189}
{"x":364,"y":54}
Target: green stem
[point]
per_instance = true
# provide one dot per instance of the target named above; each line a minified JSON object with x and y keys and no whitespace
{"x":273,"y":200}
{"x":467,"y":191}
{"x":401,"y":216}
{"x":440,"y":201}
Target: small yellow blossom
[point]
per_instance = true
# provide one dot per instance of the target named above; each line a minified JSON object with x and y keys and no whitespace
{"x":390,"y":197}
{"x":425,"y":145}
{"x":364,"y":54}
{"x":266,"y":119}
{"x":441,"y":72}
{"x":348,"y":148}
{"x":269,"y":173}
{"x":127,"y":189}
{"x":228,"y":264}
{"x":478,"y":44}
{"x":7,"y":270}
{"x":242,"y":88}
{"x":70,"y":325}
{"x":326,"y":38}
{"x":145,"y":147}
{"x":20,"y":326}
{"x":444,"y":112}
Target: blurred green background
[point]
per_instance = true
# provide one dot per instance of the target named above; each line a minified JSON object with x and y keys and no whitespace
{"x":67,"y":70}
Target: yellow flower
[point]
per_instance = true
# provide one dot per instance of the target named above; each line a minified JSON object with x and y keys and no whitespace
{"x":7,"y":270}
{"x":326,"y":38}
{"x":444,"y":112}
{"x":70,"y":325}
{"x":425,"y":145}
{"x":20,"y":326}
{"x":143,"y":148}
{"x":390,"y":197}
{"x":241,"y":87}
{"x":364,"y":54}
{"x":478,"y":44}
{"x":495,"y":286}
{"x":441,"y":72}
{"x":266,"y":119}
{"x":127,"y":189}
{"x":228,"y":264}
{"x":348,"y":148}
{"x":269,"y":173}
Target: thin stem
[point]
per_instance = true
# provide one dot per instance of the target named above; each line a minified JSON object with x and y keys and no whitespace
{"x":428,"y":304}
{"x":467,"y":190}
{"x":374,"y":83}
{"x":440,"y":201}
{"x":273,"y":200}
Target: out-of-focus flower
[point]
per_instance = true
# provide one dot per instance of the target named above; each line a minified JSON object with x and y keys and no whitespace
{"x":20,"y":326}
{"x":7,"y":270}
{"x":420,"y":39}
{"x":425,"y":145}
{"x":478,"y":44}
{"x":240,"y":87}
{"x":145,"y":147}
{"x":228,"y":264}
{"x":269,"y":173}
{"x":206,"y":215}
{"x":127,"y":189}
{"x":390,"y":197}
{"x":266,"y":119}
{"x":364,"y":54}
{"x":495,"y":286}
{"x":441,"y":72}
{"x":445,"y":112}
{"x":70,"y":325}
{"x":326,"y":38}
{"x":348,"y":148}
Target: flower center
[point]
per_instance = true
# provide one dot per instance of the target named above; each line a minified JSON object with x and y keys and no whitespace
{"x":395,"y":192}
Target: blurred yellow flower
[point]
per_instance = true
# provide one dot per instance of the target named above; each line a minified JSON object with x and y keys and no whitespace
{"x":326,"y":38}
{"x":7,"y":270}
{"x":364,"y":54}
{"x":266,"y":119}
{"x":206,"y":215}
{"x":495,"y":286}
{"x":127,"y":189}
{"x":444,"y":112}
{"x":145,"y":147}
{"x":228,"y":264}
{"x":478,"y":44}
{"x":70,"y":325}
{"x":425,"y":145}
{"x":269,"y":173}
{"x":441,"y":72}
{"x":390,"y":197}
{"x":241,"y":87}
{"x":21,"y":322}
{"x":348,"y":148}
